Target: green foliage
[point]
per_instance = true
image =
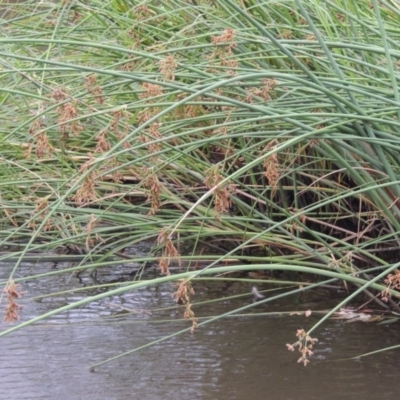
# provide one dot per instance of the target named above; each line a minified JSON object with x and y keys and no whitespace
{"x":261,"y":131}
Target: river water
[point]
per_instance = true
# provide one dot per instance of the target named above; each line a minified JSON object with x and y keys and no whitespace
{"x":236,"y":358}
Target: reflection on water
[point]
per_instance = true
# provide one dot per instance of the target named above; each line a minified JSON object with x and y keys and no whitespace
{"x":238,"y":358}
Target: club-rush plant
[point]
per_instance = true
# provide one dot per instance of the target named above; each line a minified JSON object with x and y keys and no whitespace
{"x":252,"y":136}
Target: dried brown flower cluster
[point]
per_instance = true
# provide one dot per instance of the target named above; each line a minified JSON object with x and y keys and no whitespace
{"x":43,"y":147}
{"x":121,"y":118}
{"x":151,"y":182}
{"x":227,"y":37}
{"x":87,"y":192}
{"x":305,"y":345}
{"x":142,"y":12}
{"x":93,"y":88}
{"x":222,"y":193}
{"x":224,"y":45}
{"x":67,"y":112}
{"x":11,"y":313}
{"x":182,"y":296}
{"x":167,"y":68}
{"x":116,"y":174}
{"x":103,"y":144}
{"x":150,"y":90}
{"x":271,"y":165}
{"x":151,"y":135}
{"x":40,"y":213}
{"x":264,"y":92}
{"x":393,"y":283}
{"x":170,"y":252}
{"x":188,"y":110}
{"x":310,"y":37}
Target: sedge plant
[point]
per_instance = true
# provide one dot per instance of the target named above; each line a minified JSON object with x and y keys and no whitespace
{"x":256,"y":135}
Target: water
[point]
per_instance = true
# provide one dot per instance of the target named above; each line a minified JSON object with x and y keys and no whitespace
{"x":237,"y":358}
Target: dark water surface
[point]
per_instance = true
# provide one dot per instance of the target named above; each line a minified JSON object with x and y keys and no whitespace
{"x":238,"y":358}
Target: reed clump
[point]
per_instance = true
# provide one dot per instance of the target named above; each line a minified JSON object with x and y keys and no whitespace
{"x":267,"y":133}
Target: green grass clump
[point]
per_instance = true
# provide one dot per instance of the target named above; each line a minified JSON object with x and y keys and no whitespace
{"x":259,"y":132}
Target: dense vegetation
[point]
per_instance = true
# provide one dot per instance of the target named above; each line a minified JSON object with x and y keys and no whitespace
{"x":250,"y":135}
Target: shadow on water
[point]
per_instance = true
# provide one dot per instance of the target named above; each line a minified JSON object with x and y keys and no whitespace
{"x":237,"y":358}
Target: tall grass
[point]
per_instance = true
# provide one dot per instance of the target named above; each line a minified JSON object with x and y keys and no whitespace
{"x":264,"y":133}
